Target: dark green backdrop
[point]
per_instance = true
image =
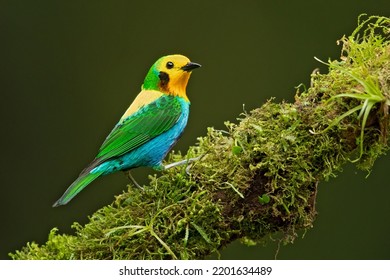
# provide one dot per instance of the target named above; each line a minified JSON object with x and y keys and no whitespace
{"x":69,"y":69}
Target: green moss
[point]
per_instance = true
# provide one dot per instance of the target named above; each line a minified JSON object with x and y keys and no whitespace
{"x":57,"y":247}
{"x":257,"y":179}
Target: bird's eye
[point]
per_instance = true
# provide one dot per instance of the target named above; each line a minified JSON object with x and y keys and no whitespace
{"x":170,"y":65}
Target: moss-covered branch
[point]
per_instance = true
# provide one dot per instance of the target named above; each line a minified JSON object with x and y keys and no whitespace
{"x":256,"y":179}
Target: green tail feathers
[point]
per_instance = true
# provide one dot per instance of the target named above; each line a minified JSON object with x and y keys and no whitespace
{"x":77,"y":186}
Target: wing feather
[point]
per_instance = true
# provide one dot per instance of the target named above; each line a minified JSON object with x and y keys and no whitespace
{"x":148,"y":122}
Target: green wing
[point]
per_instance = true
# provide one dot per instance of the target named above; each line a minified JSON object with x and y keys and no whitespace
{"x":150,"y":121}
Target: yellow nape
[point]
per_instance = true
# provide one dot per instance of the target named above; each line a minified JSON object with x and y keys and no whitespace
{"x":143,"y":98}
{"x":178,"y":78}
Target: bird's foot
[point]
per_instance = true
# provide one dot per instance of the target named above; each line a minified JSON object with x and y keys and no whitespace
{"x":178,"y":163}
{"x":133,"y":180}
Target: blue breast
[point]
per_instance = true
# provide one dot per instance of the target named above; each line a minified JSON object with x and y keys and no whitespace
{"x":151,"y":153}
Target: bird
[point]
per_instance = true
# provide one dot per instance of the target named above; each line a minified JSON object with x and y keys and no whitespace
{"x":148,"y":129}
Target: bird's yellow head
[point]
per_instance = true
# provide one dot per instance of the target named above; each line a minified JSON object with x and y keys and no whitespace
{"x":170,"y":75}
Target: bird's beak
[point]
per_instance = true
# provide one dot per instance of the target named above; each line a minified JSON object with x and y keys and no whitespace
{"x":190,"y":66}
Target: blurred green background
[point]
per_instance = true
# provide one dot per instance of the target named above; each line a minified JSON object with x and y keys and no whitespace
{"x":69,"y":69}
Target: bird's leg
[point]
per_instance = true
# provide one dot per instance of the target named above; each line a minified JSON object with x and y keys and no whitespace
{"x":133,"y":180}
{"x":178,"y":163}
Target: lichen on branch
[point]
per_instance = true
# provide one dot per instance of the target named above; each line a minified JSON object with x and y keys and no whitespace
{"x":256,"y":179}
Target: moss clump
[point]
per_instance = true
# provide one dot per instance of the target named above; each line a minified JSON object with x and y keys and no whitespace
{"x":256,"y":179}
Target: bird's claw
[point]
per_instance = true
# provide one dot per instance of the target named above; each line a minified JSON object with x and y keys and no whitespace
{"x":185,"y":161}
